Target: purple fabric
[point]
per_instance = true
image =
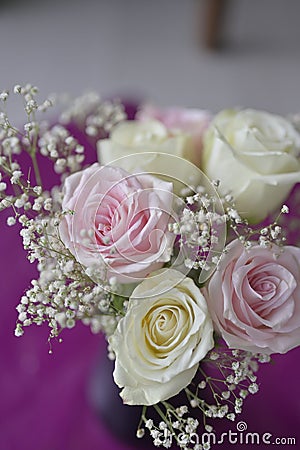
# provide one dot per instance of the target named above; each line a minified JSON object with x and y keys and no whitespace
{"x":44,"y":400}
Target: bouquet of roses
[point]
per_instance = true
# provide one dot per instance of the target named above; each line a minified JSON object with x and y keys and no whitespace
{"x":174,"y":245}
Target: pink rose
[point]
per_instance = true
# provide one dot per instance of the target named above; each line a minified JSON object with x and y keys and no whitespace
{"x":191,"y":121}
{"x":254,"y":298}
{"x":119,"y":219}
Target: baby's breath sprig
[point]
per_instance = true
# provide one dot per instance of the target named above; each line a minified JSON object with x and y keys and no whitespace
{"x":224,"y":379}
{"x":173,"y":425}
{"x":228,"y":376}
{"x":201,"y":231}
{"x":264,"y":235}
{"x":64,"y":293}
{"x":14,"y":140}
{"x":94,"y":116}
{"x":17,"y":190}
{"x":57,"y":144}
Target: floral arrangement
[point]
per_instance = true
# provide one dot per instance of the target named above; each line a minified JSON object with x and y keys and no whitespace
{"x":174,"y":244}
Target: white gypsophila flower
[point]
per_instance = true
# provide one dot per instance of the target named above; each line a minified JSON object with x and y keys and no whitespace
{"x":17,"y":89}
{"x":45,"y":105}
{"x":11,"y":145}
{"x":164,"y":335}
{"x":15,"y":176}
{"x":3,"y":186}
{"x":64,"y":150}
{"x":20,"y":202}
{"x":11,"y":221}
{"x":4,"y":95}
{"x":94,"y":116}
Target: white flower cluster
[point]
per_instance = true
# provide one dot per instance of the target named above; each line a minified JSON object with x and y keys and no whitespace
{"x":14,"y":140}
{"x":224,"y":399}
{"x":64,"y":293}
{"x":95,"y":117}
{"x":266,"y":235}
{"x":62,"y":148}
{"x":199,"y":228}
{"x":175,"y":426}
{"x":237,"y":379}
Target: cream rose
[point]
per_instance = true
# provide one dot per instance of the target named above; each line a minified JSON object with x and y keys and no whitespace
{"x":148,"y":141}
{"x":255,"y":155}
{"x":164,"y":335}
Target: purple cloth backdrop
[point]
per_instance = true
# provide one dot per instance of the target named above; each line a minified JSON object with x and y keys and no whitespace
{"x":46,"y":400}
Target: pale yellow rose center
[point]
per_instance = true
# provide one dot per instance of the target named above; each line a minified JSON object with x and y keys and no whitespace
{"x":165,"y":326}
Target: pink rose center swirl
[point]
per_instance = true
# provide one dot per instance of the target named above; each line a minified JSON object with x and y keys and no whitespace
{"x":120,"y":221}
{"x":261,"y":292}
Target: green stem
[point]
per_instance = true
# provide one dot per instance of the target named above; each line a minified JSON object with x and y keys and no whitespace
{"x":36,"y":169}
{"x":160,"y":413}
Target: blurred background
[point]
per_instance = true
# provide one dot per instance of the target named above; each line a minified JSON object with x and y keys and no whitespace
{"x":159,"y":50}
{"x":209,"y":54}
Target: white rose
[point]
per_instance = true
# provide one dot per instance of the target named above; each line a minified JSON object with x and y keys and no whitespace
{"x":147,"y":141}
{"x":164,"y":335}
{"x":255,"y":155}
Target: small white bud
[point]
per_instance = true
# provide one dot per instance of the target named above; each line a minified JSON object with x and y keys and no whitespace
{"x":11,"y":221}
{"x":17,"y":89}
